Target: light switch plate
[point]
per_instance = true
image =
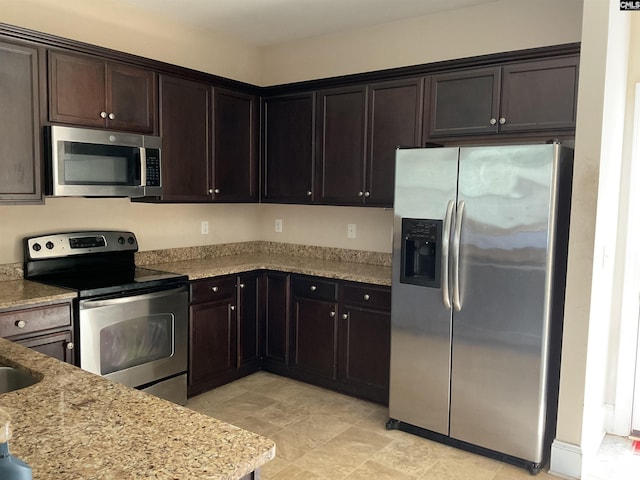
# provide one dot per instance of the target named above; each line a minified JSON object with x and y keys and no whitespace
{"x":204,"y":227}
{"x":278,"y":225}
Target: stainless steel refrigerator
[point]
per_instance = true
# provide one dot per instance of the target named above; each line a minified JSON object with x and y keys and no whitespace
{"x":479,"y":267}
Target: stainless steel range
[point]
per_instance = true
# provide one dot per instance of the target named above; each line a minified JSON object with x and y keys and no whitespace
{"x":131,"y":322}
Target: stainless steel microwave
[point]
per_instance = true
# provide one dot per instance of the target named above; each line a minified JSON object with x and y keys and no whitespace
{"x":97,"y":163}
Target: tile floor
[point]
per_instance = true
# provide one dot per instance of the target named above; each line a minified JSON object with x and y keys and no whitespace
{"x":321,"y":434}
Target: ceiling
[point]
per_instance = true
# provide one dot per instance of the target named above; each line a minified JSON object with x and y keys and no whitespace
{"x":267,"y":22}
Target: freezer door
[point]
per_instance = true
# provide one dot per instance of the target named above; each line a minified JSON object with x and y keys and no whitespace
{"x":420,"y":322}
{"x":499,"y":345}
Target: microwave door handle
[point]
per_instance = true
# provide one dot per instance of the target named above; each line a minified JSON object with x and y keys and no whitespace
{"x":143,"y":167}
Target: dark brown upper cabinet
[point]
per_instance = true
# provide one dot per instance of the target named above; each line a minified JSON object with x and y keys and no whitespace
{"x":20,"y":142}
{"x":235,"y":140}
{"x":523,"y":97}
{"x":288,"y":160}
{"x":395,"y":120}
{"x":93,"y":92}
{"x":185,"y":126}
{"x":341,"y":134}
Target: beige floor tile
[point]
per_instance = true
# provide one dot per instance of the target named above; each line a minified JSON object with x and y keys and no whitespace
{"x":509,"y":472}
{"x":270,"y":469}
{"x":320,"y":428}
{"x":290,"y":446}
{"x":257,"y":425}
{"x":373,"y":470}
{"x":329,"y":462}
{"x":410,"y":454}
{"x":293,"y":472}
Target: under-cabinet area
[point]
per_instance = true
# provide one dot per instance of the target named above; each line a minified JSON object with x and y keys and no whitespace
{"x":327,"y":332}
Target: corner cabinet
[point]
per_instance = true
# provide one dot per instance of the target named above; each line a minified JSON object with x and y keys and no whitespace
{"x":20,"y":142}
{"x":45,"y":328}
{"x":520,"y":97}
{"x":85,"y":90}
{"x":288,"y":162}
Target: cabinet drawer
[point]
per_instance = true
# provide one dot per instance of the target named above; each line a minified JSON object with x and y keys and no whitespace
{"x":314,"y":288}
{"x":21,"y":322}
{"x":366,"y":295}
{"x":213,"y":289}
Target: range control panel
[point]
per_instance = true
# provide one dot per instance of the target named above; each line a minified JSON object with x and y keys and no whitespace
{"x":78,"y":243}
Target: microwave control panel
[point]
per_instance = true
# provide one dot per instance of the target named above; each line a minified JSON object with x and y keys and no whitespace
{"x":153,"y":167}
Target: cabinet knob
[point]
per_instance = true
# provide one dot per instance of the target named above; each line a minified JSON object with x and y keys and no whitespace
{"x":21,"y":324}
{"x":360,"y":194}
{"x":103,"y":114}
{"x":345,"y":316}
{"x":216,"y":190}
{"x":367,"y":194}
{"x":211,"y":190}
{"x":503,"y":120}
{"x":112,"y":116}
{"x":242,"y":285}
{"x":492,"y":121}
{"x":309,"y":193}
{"x":366,"y":296}
{"x":70,"y":346}
{"x":332,"y":314}
{"x":313,"y":288}
{"x":214,"y":289}
{"x":232,"y":307}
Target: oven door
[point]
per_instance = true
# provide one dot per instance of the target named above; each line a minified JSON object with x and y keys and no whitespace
{"x":137,"y":340}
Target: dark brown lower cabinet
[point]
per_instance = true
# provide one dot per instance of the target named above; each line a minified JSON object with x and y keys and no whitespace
{"x":47,"y":329}
{"x":276,"y":322}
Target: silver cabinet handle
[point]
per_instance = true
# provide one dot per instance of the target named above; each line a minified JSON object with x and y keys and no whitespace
{"x":456,"y":256}
{"x":103,"y":114}
{"x":367,"y":194}
{"x":492,"y":121}
{"x":70,"y":346}
{"x":112,"y":116}
{"x":211,"y":190}
{"x":503,"y":120}
{"x":360,"y":194}
{"x":446,"y":232}
{"x":232,"y":307}
{"x":332,"y":314}
{"x":242,"y":285}
{"x":216,"y":190}
{"x":309,"y":193}
{"x":313,"y":288}
{"x":366,"y":296}
{"x":345,"y":316}
{"x":214,"y":289}
{"x":21,"y":324}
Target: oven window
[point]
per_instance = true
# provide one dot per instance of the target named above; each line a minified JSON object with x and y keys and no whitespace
{"x":89,"y":164}
{"x":136,"y":341}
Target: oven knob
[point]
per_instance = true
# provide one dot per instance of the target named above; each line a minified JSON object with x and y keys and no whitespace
{"x":130,"y":240}
{"x":37,"y":247}
{"x":49,"y":245}
{"x":121,"y":240}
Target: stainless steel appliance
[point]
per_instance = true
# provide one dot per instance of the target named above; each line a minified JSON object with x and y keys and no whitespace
{"x":132,"y":323}
{"x":479,"y":265}
{"x":98,"y":163}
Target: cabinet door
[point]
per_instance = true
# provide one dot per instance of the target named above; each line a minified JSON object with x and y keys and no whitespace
{"x":57,"y":345}
{"x":185,"y":130}
{"x":131,"y":98}
{"x":314,"y":338}
{"x":276,"y":320}
{"x":395,"y":120}
{"x":212,"y":349}
{"x":235,"y":145}
{"x":249,"y":350}
{"x":288,"y":149}
{"x":341,"y":145}
{"x":464,"y":102}
{"x":539,"y":95}
{"x":20,"y":152}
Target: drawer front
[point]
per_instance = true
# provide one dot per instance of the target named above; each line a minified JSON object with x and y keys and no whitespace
{"x":213,"y":289}
{"x":21,"y":322}
{"x":366,"y":295}
{"x":310,"y":287}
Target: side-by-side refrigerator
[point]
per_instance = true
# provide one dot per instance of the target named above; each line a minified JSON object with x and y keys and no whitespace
{"x":479,"y":267}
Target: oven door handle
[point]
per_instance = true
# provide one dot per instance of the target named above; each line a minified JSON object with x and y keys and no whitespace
{"x":87,"y":304}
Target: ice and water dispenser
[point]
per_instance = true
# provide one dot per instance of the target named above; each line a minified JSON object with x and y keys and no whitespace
{"x":421,"y":244}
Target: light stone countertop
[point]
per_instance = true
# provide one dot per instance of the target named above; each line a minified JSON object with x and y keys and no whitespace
{"x":216,"y":266}
{"x":24,"y":293}
{"x":76,"y":425}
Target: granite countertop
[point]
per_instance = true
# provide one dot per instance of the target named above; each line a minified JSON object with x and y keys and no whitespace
{"x":76,"y":425}
{"x":20,"y":293}
{"x":212,"y":267}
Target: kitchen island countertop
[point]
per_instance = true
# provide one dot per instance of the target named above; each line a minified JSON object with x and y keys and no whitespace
{"x":76,"y":425}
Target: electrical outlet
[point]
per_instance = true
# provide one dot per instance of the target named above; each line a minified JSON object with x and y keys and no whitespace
{"x":351,"y":230}
{"x":204,"y":227}
{"x":279,"y":225}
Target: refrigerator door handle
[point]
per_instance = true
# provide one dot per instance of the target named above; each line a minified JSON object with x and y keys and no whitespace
{"x":446,"y":298}
{"x":457,"y":304}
